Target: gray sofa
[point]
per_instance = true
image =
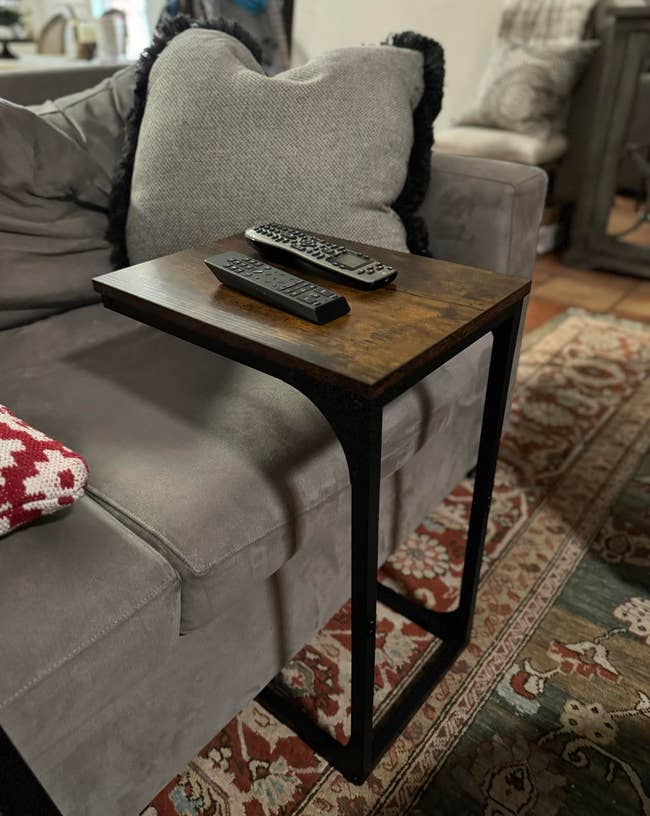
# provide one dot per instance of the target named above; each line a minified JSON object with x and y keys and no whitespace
{"x":213,"y":540}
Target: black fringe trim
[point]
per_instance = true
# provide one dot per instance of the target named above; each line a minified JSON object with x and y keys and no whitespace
{"x":418,"y":176}
{"x":419,"y":168}
{"x":120,"y":196}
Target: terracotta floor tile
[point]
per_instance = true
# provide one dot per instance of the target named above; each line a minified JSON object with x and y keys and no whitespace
{"x":540,"y":276}
{"x":636,"y":304}
{"x":591,"y":290}
{"x":550,"y":264}
{"x":539,"y":311}
{"x":611,"y":280}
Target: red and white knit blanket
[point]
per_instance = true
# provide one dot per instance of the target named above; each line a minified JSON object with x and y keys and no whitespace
{"x":38,"y":475}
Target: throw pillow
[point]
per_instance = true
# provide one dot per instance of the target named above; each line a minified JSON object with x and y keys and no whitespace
{"x":526,"y":86}
{"x":340,"y":145}
{"x":526,"y":20}
{"x":56,"y":164}
{"x":38,"y":475}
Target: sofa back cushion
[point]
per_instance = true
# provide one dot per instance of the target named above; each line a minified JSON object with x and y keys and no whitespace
{"x":325,"y":146}
{"x":56,"y":166}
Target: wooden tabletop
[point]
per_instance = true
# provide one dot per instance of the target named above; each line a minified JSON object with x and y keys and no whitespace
{"x":390,"y":332}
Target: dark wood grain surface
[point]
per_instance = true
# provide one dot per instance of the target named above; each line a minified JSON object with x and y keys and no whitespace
{"x":389,"y":332}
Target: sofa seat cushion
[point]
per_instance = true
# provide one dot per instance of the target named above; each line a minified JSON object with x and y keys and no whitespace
{"x":87,"y":609}
{"x":506,"y":145}
{"x":219,"y":467}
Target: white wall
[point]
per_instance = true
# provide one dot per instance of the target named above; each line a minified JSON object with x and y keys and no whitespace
{"x":465,"y":28}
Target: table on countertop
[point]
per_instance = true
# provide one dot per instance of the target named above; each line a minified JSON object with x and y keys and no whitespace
{"x":350,"y":369}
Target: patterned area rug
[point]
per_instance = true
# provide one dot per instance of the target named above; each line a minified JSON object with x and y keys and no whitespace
{"x":548,"y":709}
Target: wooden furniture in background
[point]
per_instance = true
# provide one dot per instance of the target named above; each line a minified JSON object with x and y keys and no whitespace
{"x":52,"y":39}
{"x":112,"y":34}
{"x":592,"y":243}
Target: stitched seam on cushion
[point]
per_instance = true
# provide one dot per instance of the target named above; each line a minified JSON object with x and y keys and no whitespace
{"x":82,"y":101}
{"x":529,"y":180}
{"x":513,"y":197}
{"x":477,"y":178}
{"x":207,"y":567}
{"x":515,"y":190}
{"x":62,"y":110}
{"x":516,"y":193}
{"x":439,"y":171}
{"x":114,"y":624}
{"x":478,"y":398}
{"x":93,"y":491}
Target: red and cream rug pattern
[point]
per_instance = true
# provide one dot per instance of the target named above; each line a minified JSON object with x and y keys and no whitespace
{"x":578,"y":434}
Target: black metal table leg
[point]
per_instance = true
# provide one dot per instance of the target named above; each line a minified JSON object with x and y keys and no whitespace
{"x":456,"y":625}
{"x":21,"y":794}
{"x":494,"y":410}
{"x":364,"y":461}
{"x":358,"y":426}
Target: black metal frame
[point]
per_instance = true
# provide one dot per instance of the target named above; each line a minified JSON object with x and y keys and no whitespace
{"x":358,"y":425}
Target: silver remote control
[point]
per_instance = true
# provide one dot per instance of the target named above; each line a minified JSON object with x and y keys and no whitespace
{"x":288,"y":243}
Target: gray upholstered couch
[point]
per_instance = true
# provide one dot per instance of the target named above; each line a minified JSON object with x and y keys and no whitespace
{"x":213,"y":541}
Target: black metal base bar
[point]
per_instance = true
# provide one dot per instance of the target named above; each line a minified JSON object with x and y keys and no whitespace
{"x":413,"y":697}
{"x":444,"y":625}
{"x":284,"y":709}
{"x":344,"y":757}
{"x":358,"y":427}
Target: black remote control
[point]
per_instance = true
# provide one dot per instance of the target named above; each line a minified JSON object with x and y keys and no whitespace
{"x":356,"y":269}
{"x":279,"y":288}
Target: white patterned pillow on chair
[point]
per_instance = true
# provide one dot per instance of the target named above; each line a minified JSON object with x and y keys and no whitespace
{"x":526,"y":86}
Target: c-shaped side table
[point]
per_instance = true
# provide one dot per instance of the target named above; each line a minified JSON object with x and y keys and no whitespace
{"x":350,"y":369}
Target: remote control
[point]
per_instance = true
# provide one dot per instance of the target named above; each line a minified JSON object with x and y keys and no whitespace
{"x":279,"y":288}
{"x":356,"y":269}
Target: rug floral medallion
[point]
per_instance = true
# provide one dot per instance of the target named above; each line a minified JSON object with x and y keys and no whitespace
{"x":547,"y":711}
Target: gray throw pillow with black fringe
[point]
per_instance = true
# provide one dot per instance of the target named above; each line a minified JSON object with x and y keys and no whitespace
{"x":340,"y":145}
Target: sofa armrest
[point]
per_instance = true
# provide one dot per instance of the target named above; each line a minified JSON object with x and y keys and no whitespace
{"x":34,"y":87}
{"x":484,"y":213}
